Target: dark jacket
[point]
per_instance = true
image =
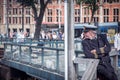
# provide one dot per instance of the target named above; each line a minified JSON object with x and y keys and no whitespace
{"x":100,"y":44}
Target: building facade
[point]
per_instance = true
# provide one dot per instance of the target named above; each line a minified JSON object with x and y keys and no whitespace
{"x":14,"y":18}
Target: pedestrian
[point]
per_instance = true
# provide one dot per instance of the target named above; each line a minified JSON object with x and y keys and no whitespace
{"x":117,"y":42}
{"x":96,"y":46}
{"x":54,"y":35}
{"x":60,"y":35}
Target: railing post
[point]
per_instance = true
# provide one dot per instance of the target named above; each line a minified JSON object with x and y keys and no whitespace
{"x":12,"y":51}
{"x":56,"y":43}
{"x":5,"y":50}
{"x":57,"y":60}
{"x":20,"y":52}
{"x":30,"y":52}
{"x":52,"y":43}
{"x":1,"y":40}
{"x":42,"y":56}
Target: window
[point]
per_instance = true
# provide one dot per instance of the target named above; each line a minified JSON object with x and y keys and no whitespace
{"x":49,"y":19}
{"x":116,"y":11}
{"x":27,"y":20}
{"x":9,"y":20}
{"x":57,"y":11}
{"x":116,"y":1}
{"x":14,"y":30}
{"x":106,"y":18}
{"x":0,"y":19}
{"x":77,"y":11}
{"x":28,"y":30}
{"x":20,"y":29}
{"x":96,"y":19}
{"x":77,"y":15}
{"x":106,"y":1}
{"x":50,"y":12}
{"x":57,"y":1}
{"x":14,"y":20}
{"x":20,"y":20}
{"x":28,"y":11}
{"x":86,"y":11}
{"x":10,"y":11}
{"x":57,"y":19}
{"x":77,"y":19}
{"x":106,"y":15}
{"x":115,"y":18}
{"x":106,"y":11}
{"x":116,"y":15}
{"x":85,"y":20}
{"x":20,"y":10}
{"x":8,"y":29}
{"x":14,"y":11}
{"x":10,"y":5}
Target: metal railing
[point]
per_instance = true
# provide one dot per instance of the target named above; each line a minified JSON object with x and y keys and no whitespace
{"x":49,"y":55}
{"x":45,"y":53}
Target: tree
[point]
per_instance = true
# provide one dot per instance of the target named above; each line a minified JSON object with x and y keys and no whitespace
{"x":38,"y":16}
{"x":92,"y":4}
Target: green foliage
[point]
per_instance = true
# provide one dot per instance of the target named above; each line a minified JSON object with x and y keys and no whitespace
{"x":110,"y":1}
{"x":92,"y":4}
{"x":79,"y":1}
{"x":27,"y":2}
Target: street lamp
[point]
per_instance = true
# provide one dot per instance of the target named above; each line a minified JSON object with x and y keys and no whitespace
{"x":22,"y":18}
{"x":70,"y":73}
{"x":5,"y":6}
{"x":0,"y":24}
{"x":81,"y":12}
{"x":59,"y":14}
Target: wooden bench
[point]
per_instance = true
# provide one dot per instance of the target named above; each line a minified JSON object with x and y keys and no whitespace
{"x":90,"y":72}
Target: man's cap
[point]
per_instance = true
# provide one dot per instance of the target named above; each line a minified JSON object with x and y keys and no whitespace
{"x":89,"y":27}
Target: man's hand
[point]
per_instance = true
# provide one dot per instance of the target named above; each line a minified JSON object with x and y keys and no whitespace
{"x":93,"y":51}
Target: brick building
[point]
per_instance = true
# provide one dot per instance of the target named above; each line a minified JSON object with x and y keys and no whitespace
{"x":12,"y":13}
